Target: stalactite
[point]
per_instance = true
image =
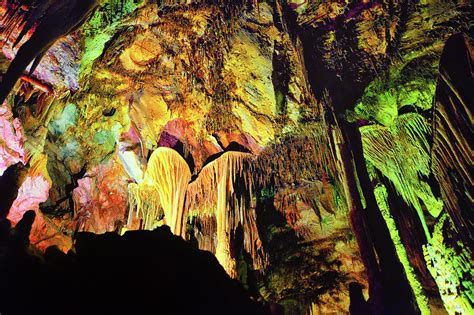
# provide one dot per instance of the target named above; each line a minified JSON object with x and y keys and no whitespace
{"x":381,"y":197}
{"x":224,"y":189}
{"x":171,"y":174}
{"x":145,"y":202}
{"x":401,"y":154}
{"x":162,"y":189}
{"x":306,"y":156}
{"x":304,"y":168}
{"x":204,"y":228}
{"x":449,"y":254}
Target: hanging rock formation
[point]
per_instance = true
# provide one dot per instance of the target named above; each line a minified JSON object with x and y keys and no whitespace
{"x":224,"y":190}
{"x":162,"y":188}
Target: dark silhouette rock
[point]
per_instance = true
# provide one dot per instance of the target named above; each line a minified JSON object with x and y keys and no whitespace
{"x":140,"y":272}
{"x":359,"y":305}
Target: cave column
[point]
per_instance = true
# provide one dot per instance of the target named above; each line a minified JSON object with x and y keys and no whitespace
{"x":223,"y":251}
{"x":173,"y":197}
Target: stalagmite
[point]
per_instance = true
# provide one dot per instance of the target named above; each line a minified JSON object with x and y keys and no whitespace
{"x":224,"y":189}
{"x":162,"y":189}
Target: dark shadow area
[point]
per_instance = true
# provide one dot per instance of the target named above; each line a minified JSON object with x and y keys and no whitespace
{"x":170,"y":141}
{"x":141,"y":272}
{"x":9,"y":184}
{"x":359,"y":305}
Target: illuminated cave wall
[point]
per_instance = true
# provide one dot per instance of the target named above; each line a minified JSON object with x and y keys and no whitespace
{"x":317,"y":148}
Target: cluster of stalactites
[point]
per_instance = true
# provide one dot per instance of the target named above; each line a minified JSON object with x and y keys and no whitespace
{"x":304,"y":157}
{"x":162,"y":190}
{"x":307,"y":168}
{"x":221,"y":198}
{"x":224,"y":190}
{"x":144,"y":203}
{"x":401,"y":153}
{"x":229,"y":167}
{"x":15,"y":17}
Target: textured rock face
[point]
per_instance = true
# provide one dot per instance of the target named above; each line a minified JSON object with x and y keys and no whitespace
{"x":32,"y":192}
{"x":299,"y":142}
{"x":12,"y":145}
{"x":100,"y":199}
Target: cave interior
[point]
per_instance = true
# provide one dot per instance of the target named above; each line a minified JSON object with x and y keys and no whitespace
{"x":236,"y":157}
